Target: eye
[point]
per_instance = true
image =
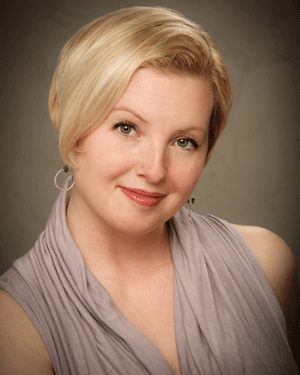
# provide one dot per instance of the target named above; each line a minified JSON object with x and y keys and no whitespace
{"x":125,"y":127}
{"x":187,"y":143}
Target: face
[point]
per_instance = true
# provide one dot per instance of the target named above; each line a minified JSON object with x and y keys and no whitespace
{"x":140,"y":165}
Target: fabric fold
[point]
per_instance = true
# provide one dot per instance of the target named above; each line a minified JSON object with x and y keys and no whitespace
{"x":227,"y":318}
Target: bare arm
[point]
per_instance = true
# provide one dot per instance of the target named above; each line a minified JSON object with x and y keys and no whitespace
{"x":279,"y":266}
{"x":22,"y":350}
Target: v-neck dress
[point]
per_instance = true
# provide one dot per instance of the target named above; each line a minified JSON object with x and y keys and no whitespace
{"x":227,"y":318}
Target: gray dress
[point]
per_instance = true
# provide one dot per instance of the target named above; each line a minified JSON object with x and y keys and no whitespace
{"x":227,"y":318}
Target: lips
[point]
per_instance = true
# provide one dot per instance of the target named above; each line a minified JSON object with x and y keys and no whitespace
{"x":142,"y":197}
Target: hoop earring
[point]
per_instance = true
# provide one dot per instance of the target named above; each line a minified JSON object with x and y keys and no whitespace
{"x":190,"y":201}
{"x":65,"y":169}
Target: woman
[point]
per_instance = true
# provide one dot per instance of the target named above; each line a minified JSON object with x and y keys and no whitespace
{"x":124,"y":280}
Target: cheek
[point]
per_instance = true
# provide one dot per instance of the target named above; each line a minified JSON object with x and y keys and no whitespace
{"x":186,"y":176}
{"x":118,"y":159}
{"x":105,"y":161}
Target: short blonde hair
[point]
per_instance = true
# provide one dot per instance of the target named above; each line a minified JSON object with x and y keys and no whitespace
{"x":97,"y":63}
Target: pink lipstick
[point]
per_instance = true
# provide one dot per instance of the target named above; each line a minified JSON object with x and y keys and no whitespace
{"x":142,"y":197}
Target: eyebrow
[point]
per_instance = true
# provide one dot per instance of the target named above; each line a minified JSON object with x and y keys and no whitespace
{"x":126,"y":109}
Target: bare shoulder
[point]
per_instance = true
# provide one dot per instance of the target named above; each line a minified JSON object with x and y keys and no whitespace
{"x":275,"y":258}
{"x":279,"y":266}
{"x":22,"y":350}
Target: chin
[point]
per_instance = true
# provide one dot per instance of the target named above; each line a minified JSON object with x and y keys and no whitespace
{"x":138,"y":226}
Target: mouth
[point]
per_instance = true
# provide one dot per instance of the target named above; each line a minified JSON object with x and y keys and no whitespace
{"x":142,"y":197}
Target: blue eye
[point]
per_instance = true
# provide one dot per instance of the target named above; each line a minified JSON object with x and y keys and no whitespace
{"x":187,"y":143}
{"x":125,"y":127}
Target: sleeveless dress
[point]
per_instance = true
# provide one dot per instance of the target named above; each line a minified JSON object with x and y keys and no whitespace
{"x":227,"y":318}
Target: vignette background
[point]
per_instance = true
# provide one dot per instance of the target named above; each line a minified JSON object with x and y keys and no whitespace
{"x":253,"y":175}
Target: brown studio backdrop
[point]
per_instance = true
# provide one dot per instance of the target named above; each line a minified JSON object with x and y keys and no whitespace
{"x":253,"y":175}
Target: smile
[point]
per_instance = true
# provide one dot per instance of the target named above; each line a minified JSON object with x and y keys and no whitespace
{"x":142,"y":197}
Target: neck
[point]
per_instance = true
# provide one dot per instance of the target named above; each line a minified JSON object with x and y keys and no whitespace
{"x":107,"y":251}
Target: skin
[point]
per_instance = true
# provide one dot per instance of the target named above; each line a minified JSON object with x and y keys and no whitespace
{"x":164,"y":108}
{"x":279,"y":266}
{"x":152,"y":151}
{"x":155,"y":139}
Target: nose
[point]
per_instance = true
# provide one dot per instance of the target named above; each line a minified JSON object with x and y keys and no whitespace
{"x":152,"y":163}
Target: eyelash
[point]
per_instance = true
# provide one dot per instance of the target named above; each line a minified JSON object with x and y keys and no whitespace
{"x":133,"y":127}
{"x":124,"y":123}
{"x":193,"y":142}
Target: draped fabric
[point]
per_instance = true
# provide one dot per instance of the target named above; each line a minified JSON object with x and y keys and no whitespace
{"x":227,"y":318}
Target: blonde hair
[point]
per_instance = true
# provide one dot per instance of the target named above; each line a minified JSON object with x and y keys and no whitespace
{"x":97,"y":63}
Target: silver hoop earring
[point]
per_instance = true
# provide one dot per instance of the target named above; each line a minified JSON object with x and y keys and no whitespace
{"x":65,"y":169}
{"x":190,"y":201}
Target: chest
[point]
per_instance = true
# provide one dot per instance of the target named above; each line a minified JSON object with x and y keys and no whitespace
{"x":150,"y":308}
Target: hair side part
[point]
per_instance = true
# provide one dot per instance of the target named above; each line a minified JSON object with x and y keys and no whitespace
{"x":96,"y":65}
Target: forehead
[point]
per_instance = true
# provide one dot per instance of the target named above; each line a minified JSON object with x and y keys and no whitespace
{"x":160,"y":94}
